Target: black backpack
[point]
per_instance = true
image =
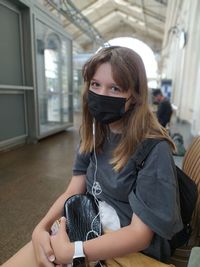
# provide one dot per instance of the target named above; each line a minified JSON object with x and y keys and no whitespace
{"x":187,"y":190}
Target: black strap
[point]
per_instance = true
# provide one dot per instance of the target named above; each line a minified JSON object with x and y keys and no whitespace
{"x":144,"y":150}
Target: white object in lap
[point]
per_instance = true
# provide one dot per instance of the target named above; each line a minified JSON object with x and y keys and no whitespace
{"x":109,"y":217}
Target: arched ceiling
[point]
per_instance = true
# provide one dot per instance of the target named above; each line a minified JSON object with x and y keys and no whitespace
{"x":91,"y":21}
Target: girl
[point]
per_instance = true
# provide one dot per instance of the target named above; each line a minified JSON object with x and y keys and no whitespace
{"x":116,"y":119}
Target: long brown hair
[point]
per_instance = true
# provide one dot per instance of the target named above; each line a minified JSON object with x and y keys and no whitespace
{"x":139,"y":123}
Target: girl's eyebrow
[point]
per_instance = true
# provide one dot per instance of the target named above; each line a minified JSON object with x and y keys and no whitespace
{"x":115,"y":84}
{"x":94,"y":80}
{"x":110,"y":84}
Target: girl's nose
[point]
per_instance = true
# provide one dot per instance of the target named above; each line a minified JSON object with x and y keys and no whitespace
{"x":102,"y":90}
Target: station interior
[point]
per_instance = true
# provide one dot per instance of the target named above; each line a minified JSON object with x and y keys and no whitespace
{"x":43,"y":46}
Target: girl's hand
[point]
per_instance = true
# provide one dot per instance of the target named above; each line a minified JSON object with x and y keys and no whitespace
{"x":62,"y":247}
{"x":42,"y":247}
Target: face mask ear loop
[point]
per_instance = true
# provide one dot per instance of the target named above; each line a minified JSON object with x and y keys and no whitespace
{"x":129,"y":98}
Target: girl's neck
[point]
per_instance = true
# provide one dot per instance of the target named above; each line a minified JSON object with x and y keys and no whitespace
{"x":116,"y":127}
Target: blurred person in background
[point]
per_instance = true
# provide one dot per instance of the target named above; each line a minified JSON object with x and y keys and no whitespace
{"x":164,"y":111}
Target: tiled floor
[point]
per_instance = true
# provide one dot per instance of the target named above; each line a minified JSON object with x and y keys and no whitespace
{"x":31,"y":178}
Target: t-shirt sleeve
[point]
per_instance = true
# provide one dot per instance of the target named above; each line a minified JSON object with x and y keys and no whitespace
{"x":81,"y":163}
{"x":155,"y":200}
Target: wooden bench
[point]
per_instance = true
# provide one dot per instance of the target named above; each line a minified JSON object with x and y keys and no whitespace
{"x":191,"y":166}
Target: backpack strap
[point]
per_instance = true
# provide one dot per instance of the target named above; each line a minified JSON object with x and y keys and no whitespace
{"x":144,"y":150}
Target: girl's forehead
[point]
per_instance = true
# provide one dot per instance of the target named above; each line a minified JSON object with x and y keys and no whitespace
{"x":102,"y":70}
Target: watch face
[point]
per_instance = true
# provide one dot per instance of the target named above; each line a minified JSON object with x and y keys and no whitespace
{"x":79,"y":262}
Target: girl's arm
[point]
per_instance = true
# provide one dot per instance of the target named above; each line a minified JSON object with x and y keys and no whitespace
{"x":41,"y":235}
{"x":133,"y":238}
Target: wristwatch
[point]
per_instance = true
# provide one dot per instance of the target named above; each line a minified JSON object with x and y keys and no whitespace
{"x":79,"y":256}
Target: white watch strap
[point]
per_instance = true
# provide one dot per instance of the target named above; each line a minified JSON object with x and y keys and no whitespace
{"x":78,"y":252}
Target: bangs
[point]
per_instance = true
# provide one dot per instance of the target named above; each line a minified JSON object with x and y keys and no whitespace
{"x":125,"y":69}
{"x":121,"y":76}
{"x":94,"y":62}
{"x":89,"y":70}
{"x":123,"y":63}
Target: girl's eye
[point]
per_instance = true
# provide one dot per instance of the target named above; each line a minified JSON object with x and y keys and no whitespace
{"x":94,"y":84}
{"x":115,"y":89}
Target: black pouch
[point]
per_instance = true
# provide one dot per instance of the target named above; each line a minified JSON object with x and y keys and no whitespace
{"x":83,"y":218}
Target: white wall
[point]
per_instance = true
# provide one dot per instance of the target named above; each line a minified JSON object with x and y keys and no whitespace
{"x":182,"y":65}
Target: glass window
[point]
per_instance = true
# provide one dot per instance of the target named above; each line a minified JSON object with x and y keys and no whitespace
{"x":53,"y":55}
{"x":10,"y":46}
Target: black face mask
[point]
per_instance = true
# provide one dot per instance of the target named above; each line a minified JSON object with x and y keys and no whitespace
{"x":106,"y":109}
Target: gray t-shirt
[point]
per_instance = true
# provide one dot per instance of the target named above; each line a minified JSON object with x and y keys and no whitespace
{"x":152,"y":194}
